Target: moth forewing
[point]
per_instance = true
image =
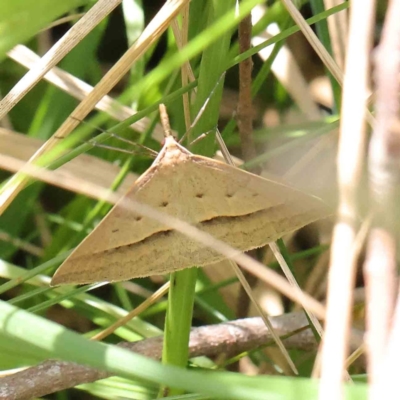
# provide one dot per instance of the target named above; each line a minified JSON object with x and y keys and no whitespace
{"x":237,"y":207}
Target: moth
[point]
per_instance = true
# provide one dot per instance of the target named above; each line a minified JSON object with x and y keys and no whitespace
{"x":244,"y":210}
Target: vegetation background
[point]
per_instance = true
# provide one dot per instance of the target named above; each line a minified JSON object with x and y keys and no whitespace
{"x":295,"y":110}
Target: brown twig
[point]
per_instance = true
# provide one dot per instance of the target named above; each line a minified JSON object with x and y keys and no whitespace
{"x":384,"y":174}
{"x":245,"y":126}
{"x":229,"y":338}
{"x":244,"y":109}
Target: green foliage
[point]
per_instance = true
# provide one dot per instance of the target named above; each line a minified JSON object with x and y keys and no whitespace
{"x":21,"y":19}
{"x":55,"y":221}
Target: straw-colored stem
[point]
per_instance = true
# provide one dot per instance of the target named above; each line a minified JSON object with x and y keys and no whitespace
{"x":351,"y":155}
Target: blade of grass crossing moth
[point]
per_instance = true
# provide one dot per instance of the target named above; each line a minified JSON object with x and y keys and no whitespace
{"x":182,"y":291}
{"x":289,"y":273}
{"x":178,"y":319}
{"x":264,"y":317}
{"x":245,"y":284}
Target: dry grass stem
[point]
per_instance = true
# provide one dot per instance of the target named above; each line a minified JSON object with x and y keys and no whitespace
{"x":351,"y":153}
{"x":151,"y":33}
{"x":249,"y":292}
{"x":386,"y":379}
{"x":85,"y":167}
{"x":317,"y":275}
{"x":285,"y":68}
{"x":80,"y":89}
{"x":292,"y":280}
{"x":181,"y":38}
{"x":134,"y":313}
{"x":21,"y":244}
{"x":381,"y":264}
{"x":75,"y":34}
{"x":337,"y":25}
{"x":312,"y":38}
{"x":245,"y":286}
{"x":245,"y":126}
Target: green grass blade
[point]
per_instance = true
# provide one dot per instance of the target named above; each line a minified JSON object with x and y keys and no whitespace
{"x":21,"y":19}
{"x":49,"y":340}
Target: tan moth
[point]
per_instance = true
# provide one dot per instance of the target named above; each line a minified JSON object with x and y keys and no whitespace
{"x":242,"y":209}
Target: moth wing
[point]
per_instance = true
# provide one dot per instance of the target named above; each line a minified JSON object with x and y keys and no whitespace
{"x":242,"y":209}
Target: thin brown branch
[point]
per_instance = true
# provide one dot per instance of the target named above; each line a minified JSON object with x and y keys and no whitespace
{"x":384,"y":174}
{"x":244,"y":109}
{"x":229,"y":338}
{"x":245,"y":126}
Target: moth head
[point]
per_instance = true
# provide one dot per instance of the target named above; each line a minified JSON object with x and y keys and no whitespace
{"x":169,"y":138}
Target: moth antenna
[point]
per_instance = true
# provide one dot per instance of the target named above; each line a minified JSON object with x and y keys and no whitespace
{"x":203,"y":108}
{"x":165,"y":120}
{"x":125,"y":151}
{"x":120,"y":138}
